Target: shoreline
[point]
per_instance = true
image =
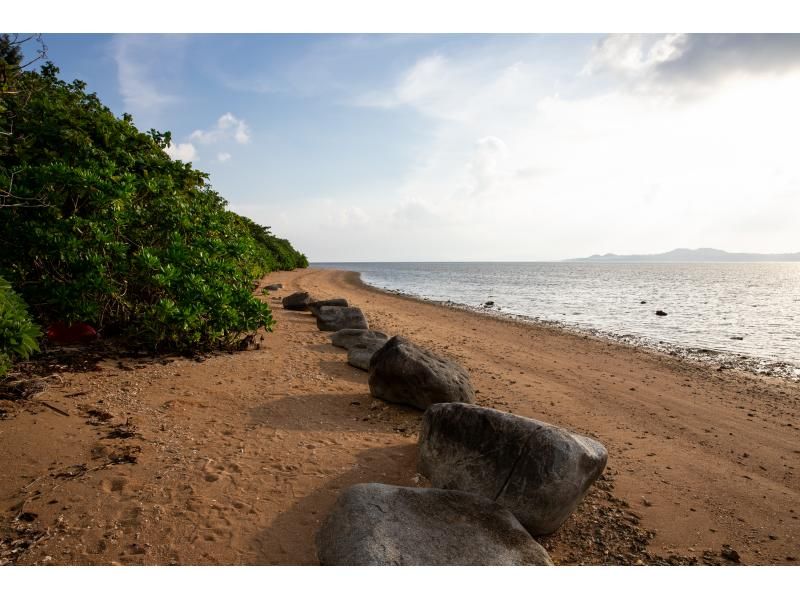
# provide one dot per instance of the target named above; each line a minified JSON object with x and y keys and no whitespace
{"x":703,"y":457}
{"x":236,"y":458}
{"x":723,"y":360}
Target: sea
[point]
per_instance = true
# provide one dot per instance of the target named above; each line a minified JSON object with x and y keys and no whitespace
{"x":737,"y":315}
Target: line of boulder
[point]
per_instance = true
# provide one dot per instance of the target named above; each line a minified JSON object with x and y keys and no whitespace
{"x":497,"y":479}
{"x":335,"y":315}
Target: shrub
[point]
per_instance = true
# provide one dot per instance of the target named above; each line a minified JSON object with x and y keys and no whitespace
{"x":18,"y":333}
{"x":99,"y":225}
{"x":277,"y":254}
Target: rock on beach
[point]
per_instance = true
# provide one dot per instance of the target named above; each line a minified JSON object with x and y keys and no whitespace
{"x":314,"y":306}
{"x":333,"y":318}
{"x":538,"y":471}
{"x":378,"y":524}
{"x":402,"y":372}
{"x":360,"y":354}
{"x":297,"y":301}
{"x":349,"y":337}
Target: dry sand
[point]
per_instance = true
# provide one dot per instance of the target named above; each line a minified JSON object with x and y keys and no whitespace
{"x":236,"y":458}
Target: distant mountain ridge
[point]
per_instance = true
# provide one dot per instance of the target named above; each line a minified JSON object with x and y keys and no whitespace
{"x":704,"y":254}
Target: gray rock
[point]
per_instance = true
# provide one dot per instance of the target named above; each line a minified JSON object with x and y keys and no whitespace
{"x":538,"y":471}
{"x":402,"y":372}
{"x":377,"y":524}
{"x":332,"y":318}
{"x":274,"y":287}
{"x":349,"y":337}
{"x":314,"y":306}
{"x":297,"y":301}
{"x":361,"y":353}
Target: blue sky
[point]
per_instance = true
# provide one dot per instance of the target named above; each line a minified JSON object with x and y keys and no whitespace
{"x":474,"y":147}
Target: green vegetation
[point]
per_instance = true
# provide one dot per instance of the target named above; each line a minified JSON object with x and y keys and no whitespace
{"x":99,"y":225}
{"x":18,"y":333}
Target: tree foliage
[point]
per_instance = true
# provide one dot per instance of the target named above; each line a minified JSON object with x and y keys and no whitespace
{"x":98,"y":224}
{"x":18,"y":333}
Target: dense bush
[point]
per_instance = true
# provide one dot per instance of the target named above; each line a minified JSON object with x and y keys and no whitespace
{"x":277,"y":253}
{"x":98,"y":224}
{"x":18,"y":333}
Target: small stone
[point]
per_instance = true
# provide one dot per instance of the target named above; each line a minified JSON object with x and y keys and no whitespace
{"x":729,"y":554}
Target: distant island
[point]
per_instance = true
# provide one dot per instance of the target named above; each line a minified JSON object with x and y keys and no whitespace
{"x":704,"y":254}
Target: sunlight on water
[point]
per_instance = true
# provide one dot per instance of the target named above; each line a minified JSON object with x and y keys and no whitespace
{"x":748,"y":309}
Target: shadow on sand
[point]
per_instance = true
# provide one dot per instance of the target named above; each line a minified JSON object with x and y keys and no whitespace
{"x":291,"y":538}
{"x":329,"y":412}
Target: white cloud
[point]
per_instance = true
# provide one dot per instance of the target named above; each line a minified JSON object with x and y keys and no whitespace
{"x":486,"y":165}
{"x":634,"y":53}
{"x":604,"y":167}
{"x":227,"y":127}
{"x":417,"y":213}
{"x":457,"y":90}
{"x":346,"y":217}
{"x":181,"y":151}
{"x":146,"y":80}
{"x":223,"y":156}
{"x":686,"y":65}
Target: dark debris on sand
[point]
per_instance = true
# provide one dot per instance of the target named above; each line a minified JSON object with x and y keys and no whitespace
{"x":604,"y":531}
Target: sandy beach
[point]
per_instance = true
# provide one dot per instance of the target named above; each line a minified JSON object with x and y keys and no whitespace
{"x":236,"y":458}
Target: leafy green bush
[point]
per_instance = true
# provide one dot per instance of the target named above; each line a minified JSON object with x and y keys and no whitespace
{"x":98,"y":224}
{"x":18,"y":333}
{"x":277,"y":253}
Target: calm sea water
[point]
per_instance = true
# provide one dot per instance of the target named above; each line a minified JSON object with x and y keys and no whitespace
{"x":747,"y":310}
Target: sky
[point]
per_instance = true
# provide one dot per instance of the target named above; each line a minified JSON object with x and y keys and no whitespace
{"x":475,"y":147}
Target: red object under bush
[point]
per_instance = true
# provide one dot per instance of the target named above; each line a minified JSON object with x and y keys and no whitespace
{"x":80,"y":332}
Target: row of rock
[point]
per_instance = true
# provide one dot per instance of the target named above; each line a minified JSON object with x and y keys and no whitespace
{"x":498,"y":479}
{"x":331,"y":314}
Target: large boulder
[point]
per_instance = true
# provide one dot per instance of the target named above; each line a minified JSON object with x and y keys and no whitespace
{"x":538,"y":471}
{"x":361,"y":352}
{"x":314,"y":306}
{"x":377,"y":524}
{"x":402,"y":372}
{"x":332,"y":318}
{"x":297,"y":301}
{"x":350,"y":337}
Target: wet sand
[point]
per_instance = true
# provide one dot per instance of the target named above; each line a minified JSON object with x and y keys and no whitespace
{"x":236,"y":458}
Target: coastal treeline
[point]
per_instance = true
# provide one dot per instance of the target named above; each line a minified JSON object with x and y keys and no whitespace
{"x":99,"y":225}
